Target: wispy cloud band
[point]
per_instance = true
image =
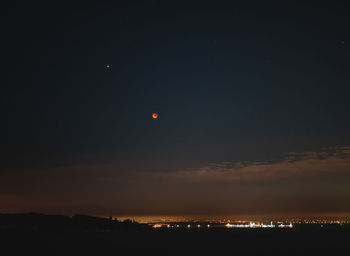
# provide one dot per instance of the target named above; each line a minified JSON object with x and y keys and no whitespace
{"x":329,"y":162}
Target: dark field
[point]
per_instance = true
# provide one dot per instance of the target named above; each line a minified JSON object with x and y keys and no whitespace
{"x":302,"y":240}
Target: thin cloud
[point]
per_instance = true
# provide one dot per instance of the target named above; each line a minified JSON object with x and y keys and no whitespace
{"x":333,"y":162}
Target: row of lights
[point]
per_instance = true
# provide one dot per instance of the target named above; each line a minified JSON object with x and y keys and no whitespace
{"x":228,"y":225}
{"x":177,"y":226}
{"x":254,"y":225}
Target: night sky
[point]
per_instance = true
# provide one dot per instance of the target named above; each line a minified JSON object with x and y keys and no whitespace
{"x":252,"y":98}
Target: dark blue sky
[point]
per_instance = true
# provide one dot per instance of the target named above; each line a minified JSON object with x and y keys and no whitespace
{"x":232,"y":82}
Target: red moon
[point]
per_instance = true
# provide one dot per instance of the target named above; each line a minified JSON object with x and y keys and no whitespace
{"x":155,"y":115}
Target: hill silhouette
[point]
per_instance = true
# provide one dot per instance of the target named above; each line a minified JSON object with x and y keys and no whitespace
{"x":80,"y":222}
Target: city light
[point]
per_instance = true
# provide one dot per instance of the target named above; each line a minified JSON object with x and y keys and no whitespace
{"x":244,"y":224}
{"x":285,"y":226}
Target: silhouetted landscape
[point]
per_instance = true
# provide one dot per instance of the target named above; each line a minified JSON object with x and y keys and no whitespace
{"x":76,"y":223}
{"x":38,"y":234}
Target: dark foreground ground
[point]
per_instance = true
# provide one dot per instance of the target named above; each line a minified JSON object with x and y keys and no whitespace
{"x":299,"y":241}
{"x":38,"y":234}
